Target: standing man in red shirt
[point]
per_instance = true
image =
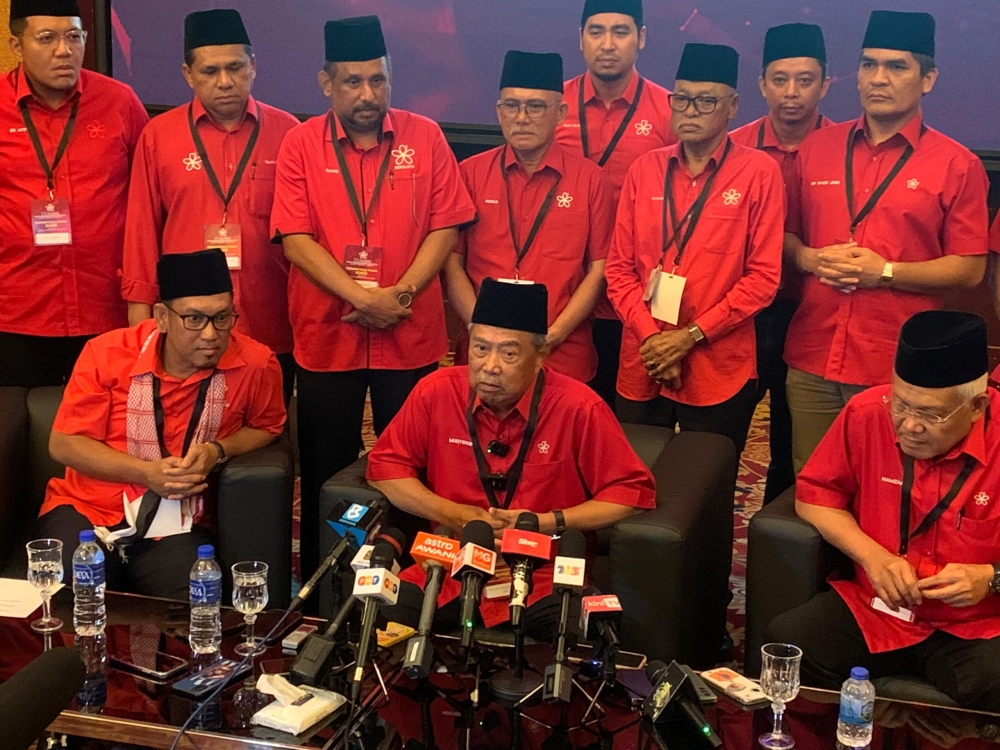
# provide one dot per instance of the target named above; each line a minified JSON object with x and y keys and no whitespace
{"x":905,"y":484}
{"x":793,"y":82}
{"x":67,"y":136}
{"x":614,"y":116}
{"x":204,"y":177}
{"x":368,"y":201}
{"x":544,"y":214}
{"x":885,"y":215}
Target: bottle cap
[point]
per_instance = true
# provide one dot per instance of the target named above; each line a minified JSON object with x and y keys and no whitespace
{"x":87,"y":535}
{"x":859,"y":673}
{"x":206,"y":552}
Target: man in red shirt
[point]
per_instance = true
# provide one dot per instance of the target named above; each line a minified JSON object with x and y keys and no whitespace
{"x":905,"y":484}
{"x":148,"y":414}
{"x":793,"y":82}
{"x":71,"y":134}
{"x":885,"y":215}
{"x":544,"y":215}
{"x":204,"y":177}
{"x":613,"y":116}
{"x":688,"y":270}
{"x":368,"y":201}
{"x":579,"y":471}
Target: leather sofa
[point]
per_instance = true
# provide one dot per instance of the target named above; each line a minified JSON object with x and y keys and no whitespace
{"x":669,"y":566}
{"x":254,"y":496}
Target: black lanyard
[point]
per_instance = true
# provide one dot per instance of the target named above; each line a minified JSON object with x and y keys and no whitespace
{"x":50,"y":170}
{"x":760,"y":131}
{"x":905,"y":535}
{"x":692,"y":215}
{"x":352,"y":192}
{"x":584,"y":137}
{"x":493,"y":482}
{"x":240,"y":168}
{"x":521,"y":250}
{"x":880,"y":190}
{"x":199,"y":407}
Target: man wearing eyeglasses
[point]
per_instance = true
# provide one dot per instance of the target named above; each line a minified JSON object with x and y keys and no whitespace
{"x":67,"y":137}
{"x":148,"y":414}
{"x":905,"y":483}
{"x":544,"y":215}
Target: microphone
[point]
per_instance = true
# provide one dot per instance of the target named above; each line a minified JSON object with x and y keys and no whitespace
{"x":375,"y":585}
{"x":568,"y":575}
{"x":319,"y":652}
{"x":600,"y":618}
{"x":523,"y":549}
{"x":35,"y":696}
{"x":672,"y":686}
{"x":475,"y":563}
{"x":433,"y":552}
{"x":497,"y":448}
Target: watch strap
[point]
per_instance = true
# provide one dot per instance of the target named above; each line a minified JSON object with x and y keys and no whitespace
{"x":560,"y":521}
{"x":995,"y":581}
{"x":222,"y":451}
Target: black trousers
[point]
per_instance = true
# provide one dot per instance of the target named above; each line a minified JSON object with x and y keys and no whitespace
{"x":331,"y":408}
{"x":153,"y":568}
{"x":35,"y":361}
{"x":287,"y":363}
{"x":772,"y":327}
{"x":608,"y":342}
{"x":968,"y":672}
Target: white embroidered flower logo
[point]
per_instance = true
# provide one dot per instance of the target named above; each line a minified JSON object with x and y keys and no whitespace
{"x":731,"y":197}
{"x":192,"y":161}
{"x":404,"y":155}
{"x":564,"y":201}
{"x":913,"y":184}
{"x":643,"y":127}
{"x":543,"y":447}
{"x":982,"y":499}
{"x":95,"y":129}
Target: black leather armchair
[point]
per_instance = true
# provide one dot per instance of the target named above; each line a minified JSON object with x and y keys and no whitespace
{"x":660,"y":563}
{"x":254,"y":499}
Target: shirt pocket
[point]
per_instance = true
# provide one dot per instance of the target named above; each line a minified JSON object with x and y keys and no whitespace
{"x":563,"y":234}
{"x":552,"y":484}
{"x":723,"y":232}
{"x":261,"y":189}
{"x":975,"y":542}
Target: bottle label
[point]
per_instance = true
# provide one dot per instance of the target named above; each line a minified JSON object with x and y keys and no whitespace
{"x":856,"y":711}
{"x":88,"y":575}
{"x":206,"y":591}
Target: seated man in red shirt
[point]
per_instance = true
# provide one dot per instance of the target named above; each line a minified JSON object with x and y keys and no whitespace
{"x":148,"y":414}
{"x":905,"y":484}
{"x":580,"y":472}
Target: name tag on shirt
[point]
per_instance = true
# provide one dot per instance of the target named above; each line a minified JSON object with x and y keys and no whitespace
{"x":902,"y":613}
{"x":50,"y":222}
{"x":663,"y":293}
{"x":516,"y":281}
{"x":229,"y":240}
{"x":363,"y":264}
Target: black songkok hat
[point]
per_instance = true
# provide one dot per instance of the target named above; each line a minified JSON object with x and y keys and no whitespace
{"x":198,"y":274}
{"x":354,"y":39}
{"x":627,"y":7}
{"x":532,"y":70}
{"x":24,"y":8}
{"x":709,"y":63}
{"x":942,"y":348}
{"x":794,"y":40}
{"x":908,"y":32}
{"x":208,"y":28}
{"x":516,"y":307}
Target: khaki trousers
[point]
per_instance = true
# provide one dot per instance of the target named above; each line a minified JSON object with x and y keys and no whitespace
{"x":814,"y":403}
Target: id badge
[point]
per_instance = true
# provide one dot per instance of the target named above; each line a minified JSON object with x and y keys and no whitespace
{"x":527,"y":282}
{"x":363,"y":263}
{"x":228,"y":238}
{"x":50,"y":222}
{"x":665,"y":304}
{"x":651,"y":282}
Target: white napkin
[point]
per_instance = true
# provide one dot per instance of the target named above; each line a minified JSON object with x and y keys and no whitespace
{"x":294,"y":709}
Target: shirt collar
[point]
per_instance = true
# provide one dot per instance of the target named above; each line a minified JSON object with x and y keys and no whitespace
{"x":973,"y":444}
{"x":522,"y":407}
{"x":771,"y":137}
{"x":590,"y":94}
{"x":910,"y":132}
{"x":553,"y":159}
{"x":674,"y":154}
{"x":149,"y":359}
{"x":387,"y":127}
{"x":22,"y":89}
{"x":198,"y":111}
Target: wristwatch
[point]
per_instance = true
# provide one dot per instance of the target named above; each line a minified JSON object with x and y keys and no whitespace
{"x":560,"y":521}
{"x":405,"y":299}
{"x":886,"y":278}
{"x":696,"y":333}
{"x":995,"y":581}
{"x":222,"y":452}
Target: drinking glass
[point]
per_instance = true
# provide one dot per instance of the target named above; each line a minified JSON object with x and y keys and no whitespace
{"x":250,"y":598}
{"x":779,"y":681}
{"x":45,"y":573}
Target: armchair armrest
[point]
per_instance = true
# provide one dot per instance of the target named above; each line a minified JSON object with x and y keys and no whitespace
{"x":13,"y":468}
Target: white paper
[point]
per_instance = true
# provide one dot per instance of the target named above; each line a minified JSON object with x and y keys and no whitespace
{"x":666,"y":302}
{"x":283,"y":715}
{"x":19,"y":598}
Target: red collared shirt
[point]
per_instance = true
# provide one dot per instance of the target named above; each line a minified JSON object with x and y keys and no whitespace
{"x":858,"y":467}
{"x":580,"y":453}
{"x":66,"y":290}
{"x":732,"y":264}
{"x":576,"y":232}
{"x":171,"y":201}
{"x":995,"y":235}
{"x":95,"y":405}
{"x":422,"y":192}
{"x":935,"y":206}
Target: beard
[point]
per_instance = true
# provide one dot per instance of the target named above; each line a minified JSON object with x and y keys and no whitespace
{"x":358,"y":125}
{"x":609,"y":77}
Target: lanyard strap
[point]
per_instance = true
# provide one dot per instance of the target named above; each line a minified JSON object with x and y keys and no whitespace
{"x":50,"y":170}
{"x":240,"y":168}
{"x":521,"y":250}
{"x":692,"y":215}
{"x":760,"y":131}
{"x":613,"y":144}
{"x":936,"y":512}
{"x":199,"y":407}
{"x":880,"y":190}
{"x":352,"y":192}
{"x":513,"y":477}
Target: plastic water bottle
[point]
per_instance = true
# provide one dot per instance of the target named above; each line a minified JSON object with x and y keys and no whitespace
{"x":93,"y":694}
{"x":89,"y":612}
{"x":205,"y":630}
{"x":857,"y":710}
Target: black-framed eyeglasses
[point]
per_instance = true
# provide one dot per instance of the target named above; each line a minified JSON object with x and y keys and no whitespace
{"x":223,"y":321}
{"x":511,"y":108}
{"x":703,"y":105}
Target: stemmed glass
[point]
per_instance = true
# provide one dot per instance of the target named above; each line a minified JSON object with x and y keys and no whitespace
{"x":779,"y":681}
{"x":250,"y":598}
{"x":45,"y":573}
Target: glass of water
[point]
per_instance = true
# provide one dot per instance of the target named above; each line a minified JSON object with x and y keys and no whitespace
{"x":250,"y":598}
{"x":779,"y":681}
{"x":45,"y":573}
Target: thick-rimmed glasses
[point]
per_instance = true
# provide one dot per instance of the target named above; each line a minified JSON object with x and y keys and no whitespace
{"x":73,"y":38}
{"x":511,"y":108}
{"x":900,"y":411}
{"x":224,"y":321}
{"x":703,"y":105}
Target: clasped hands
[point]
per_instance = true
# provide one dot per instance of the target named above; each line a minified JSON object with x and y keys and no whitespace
{"x":662,"y":354}
{"x":849,"y":267}
{"x":956,"y":584}
{"x":176,"y":478}
{"x":380,"y":308}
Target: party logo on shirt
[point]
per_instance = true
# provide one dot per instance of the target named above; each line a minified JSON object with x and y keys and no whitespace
{"x":404,"y":156}
{"x":913,"y":184}
{"x":731,"y":197}
{"x":95,"y":129}
{"x":982,"y":499}
{"x":643,"y":127}
{"x":564,"y":201}
{"x":192,"y":162}
{"x":543,"y":448}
